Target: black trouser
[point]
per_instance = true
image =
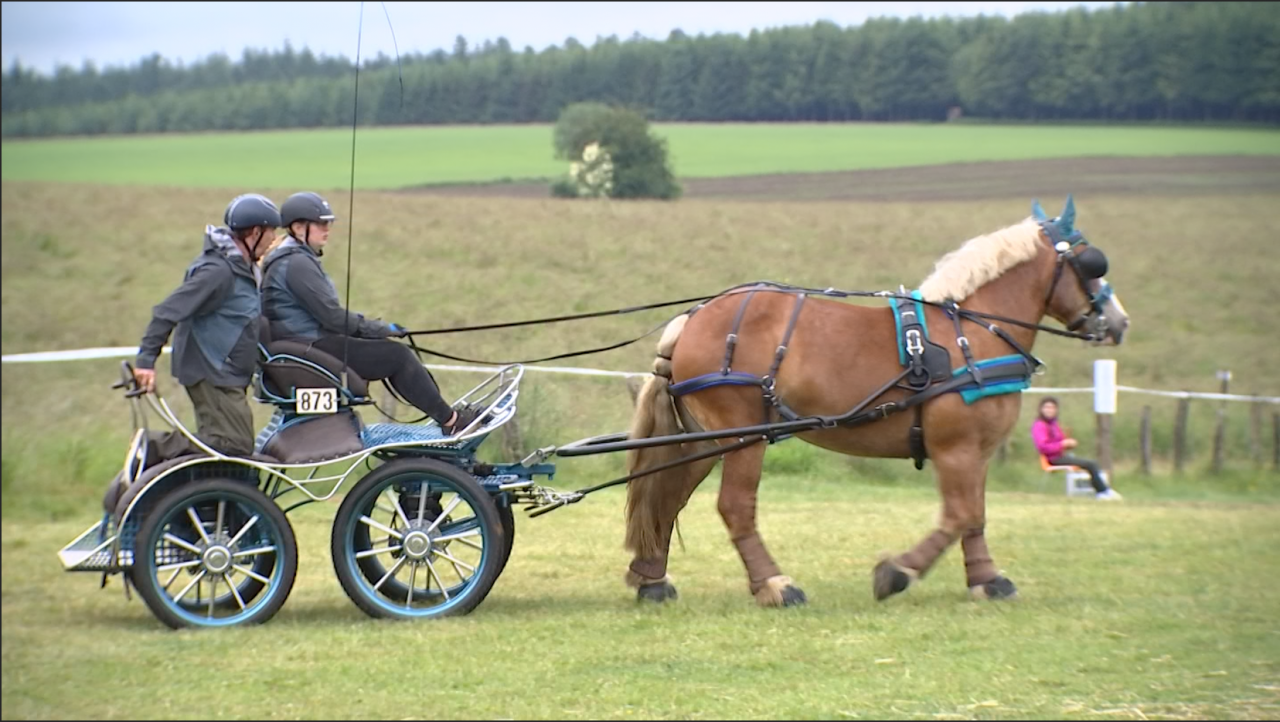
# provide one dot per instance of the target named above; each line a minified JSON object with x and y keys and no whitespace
{"x":376,"y":359}
{"x":1095,"y":473}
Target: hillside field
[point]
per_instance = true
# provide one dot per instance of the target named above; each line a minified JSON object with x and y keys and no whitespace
{"x":399,"y":157}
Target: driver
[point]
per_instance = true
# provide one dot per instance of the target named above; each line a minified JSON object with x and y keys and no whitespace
{"x":301,"y":303}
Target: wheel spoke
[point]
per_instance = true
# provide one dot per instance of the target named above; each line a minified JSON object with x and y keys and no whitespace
{"x":177,"y":566}
{"x":172,"y":578}
{"x":179,"y":541}
{"x":213,"y":592}
{"x":190,"y":584}
{"x":222,"y":509}
{"x":432,"y":569}
{"x":235,"y":592}
{"x":453,"y":503}
{"x":374,"y":552}
{"x":199,"y":525}
{"x":254,"y":552}
{"x":413,"y":574}
{"x":400,"y":511}
{"x":455,"y":562}
{"x":250,"y":573}
{"x":247,"y":526}
{"x":459,"y":536}
{"x":390,"y":573}
{"x":384,"y":529}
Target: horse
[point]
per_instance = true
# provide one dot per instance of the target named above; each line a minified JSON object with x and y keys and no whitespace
{"x":821,"y":358}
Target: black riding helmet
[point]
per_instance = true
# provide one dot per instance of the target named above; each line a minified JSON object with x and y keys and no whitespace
{"x":251,"y":210}
{"x":306,"y":206}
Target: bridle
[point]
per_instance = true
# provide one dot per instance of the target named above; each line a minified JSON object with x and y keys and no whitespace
{"x":1089,"y":264}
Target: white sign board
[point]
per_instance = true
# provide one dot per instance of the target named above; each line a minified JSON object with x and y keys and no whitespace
{"x":1104,"y":386}
{"x":317,"y":401}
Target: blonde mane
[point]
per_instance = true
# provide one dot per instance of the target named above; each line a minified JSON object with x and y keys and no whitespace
{"x":981,"y":260}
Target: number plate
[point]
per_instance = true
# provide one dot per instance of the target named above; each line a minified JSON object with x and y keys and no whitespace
{"x":317,"y":401}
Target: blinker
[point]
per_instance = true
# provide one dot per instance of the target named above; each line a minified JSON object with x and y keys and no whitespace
{"x":1091,"y":263}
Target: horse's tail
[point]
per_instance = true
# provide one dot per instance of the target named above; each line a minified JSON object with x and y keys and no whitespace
{"x":650,"y":498}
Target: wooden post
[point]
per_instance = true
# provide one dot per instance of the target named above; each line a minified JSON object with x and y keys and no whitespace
{"x":1220,"y":429}
{"x":1275,"y":427}
{"x":1145,"y":436}
{"x":1104,"y":443}
{"x":1255,"y":432}
{"x":1180,"y":434}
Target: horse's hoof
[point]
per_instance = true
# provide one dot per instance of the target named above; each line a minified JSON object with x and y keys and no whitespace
{"x":998,"y":588}
{"x":793,"y":597}
{"x":659,"y":592}
{"x":779,"y":592}
{"x":889,"y":579}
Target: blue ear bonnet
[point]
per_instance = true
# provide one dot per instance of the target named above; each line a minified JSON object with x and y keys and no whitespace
{"x":1061,"y":228}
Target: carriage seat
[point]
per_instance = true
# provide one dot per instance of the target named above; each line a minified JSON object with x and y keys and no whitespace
{"x":286,"y":365}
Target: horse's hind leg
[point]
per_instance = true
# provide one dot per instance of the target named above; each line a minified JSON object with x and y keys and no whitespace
{"x":649,"y":575}
{"x":737,"y":506}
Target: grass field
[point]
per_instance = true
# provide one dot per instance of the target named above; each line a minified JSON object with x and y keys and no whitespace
{"x":1125,"y":613}
{"x":1161,"y":607}
{"x":402,"y":157}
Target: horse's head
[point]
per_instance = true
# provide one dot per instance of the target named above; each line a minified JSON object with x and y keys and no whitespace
{"x":1079,"y":295}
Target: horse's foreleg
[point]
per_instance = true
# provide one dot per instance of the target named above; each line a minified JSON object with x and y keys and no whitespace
{"x":961,"y":480}
{"x":984,"y":580}
{"x":737,"y":506}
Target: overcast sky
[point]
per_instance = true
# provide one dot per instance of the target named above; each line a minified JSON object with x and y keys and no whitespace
{"x":45,"y":34}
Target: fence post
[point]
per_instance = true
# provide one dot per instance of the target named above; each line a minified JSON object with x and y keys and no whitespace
{"x":1255,"y":432}
{"x":1220,"y":430}
{"x":1145,"y":440}
{"x":1104,"y":406}
{"x":1180,"y":434}
{"x":1275,"y":457}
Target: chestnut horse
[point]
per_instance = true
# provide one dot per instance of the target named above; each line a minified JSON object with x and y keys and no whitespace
{"x":838,"y":357}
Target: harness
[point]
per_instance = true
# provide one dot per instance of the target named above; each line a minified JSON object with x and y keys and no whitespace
{"x":927,"y":371}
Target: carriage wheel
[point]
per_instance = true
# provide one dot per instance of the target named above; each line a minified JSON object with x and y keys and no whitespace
{"x":508,"y":518}
{"x":437,"y":559}
{"x":221,"y":542}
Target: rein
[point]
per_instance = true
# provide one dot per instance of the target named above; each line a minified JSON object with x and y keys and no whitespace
{"x":972,"y":316}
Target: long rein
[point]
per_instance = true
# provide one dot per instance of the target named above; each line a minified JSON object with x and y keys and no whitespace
{"x":949,"y":307}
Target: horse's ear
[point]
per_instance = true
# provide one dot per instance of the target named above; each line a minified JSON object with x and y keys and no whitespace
{"x":1067,"y":221}
{"x":1037,"y":211}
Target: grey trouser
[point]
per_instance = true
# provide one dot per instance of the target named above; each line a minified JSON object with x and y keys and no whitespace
{"x":223,"y":421}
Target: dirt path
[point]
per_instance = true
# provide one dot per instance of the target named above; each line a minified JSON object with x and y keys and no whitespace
{"x":1183,"y":175}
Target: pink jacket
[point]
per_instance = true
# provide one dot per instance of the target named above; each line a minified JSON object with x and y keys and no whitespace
{"x":1048,"y":437}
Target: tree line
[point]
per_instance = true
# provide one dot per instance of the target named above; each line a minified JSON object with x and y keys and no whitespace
{"x":1180,"y":61}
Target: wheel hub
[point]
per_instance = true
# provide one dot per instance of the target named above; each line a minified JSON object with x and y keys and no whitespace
{"x":417,"y":545}
{"x":216,"y":559}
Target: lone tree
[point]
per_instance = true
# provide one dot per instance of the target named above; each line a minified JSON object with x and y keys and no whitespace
{"x":612,"y":153}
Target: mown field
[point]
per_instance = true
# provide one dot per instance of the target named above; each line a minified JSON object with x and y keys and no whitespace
{"x":413,"y":156}
{"x":1161,"y":607}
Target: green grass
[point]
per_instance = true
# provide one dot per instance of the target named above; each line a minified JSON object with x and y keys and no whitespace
{"x":1141,"y":610}
{"x":411,"y":156}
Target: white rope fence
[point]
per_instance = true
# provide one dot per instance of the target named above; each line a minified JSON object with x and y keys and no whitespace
{"x":131,"y":351}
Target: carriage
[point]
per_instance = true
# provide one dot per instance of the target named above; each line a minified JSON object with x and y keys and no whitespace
{"x":205,"y":539}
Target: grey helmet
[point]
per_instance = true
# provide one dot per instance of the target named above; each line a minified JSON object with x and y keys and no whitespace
{"x":251,"y":210}
{"x":306,"y":206}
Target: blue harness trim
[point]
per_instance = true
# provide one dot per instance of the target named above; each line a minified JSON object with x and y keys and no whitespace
{"x":973,"y":391}
{"x":897,"y":322}
{"x":706,"y":381}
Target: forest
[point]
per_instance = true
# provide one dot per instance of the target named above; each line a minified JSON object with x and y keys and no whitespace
{"x":1177,"y":62}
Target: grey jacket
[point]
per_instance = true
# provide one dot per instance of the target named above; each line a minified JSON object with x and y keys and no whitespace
{"x":301,"y":302}
{"x":215,"y":312}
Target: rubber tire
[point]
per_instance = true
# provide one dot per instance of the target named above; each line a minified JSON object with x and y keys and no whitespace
{"x":508,"y":532}
{"x":351,"y":574}
{"x":149,"y":529}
